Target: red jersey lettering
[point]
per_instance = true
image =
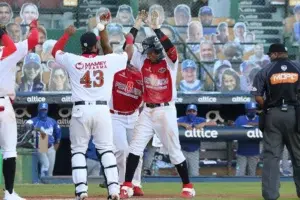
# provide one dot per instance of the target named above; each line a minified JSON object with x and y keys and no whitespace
{"x":157,"y":82}
{"x":127,"y":90}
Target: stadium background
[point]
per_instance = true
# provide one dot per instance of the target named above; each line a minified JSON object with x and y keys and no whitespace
{"x":267,"y":21}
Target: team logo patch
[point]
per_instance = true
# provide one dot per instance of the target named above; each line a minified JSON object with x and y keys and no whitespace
{"x":283,"y":68}
{"x":153,"y":79}
{"x":162,"y":70}
{"x":79,"y":65}
{"x":284,"y":78}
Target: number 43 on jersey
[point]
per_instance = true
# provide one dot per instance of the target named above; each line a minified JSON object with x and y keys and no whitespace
{"x":92,"y":79}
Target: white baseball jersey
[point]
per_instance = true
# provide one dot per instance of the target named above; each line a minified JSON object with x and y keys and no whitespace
{"x":8,"y":69}
{"x":91,"y":77}
{"x":159,"y":79}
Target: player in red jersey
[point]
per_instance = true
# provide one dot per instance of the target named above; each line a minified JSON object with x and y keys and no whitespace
{"x":159,"y":113}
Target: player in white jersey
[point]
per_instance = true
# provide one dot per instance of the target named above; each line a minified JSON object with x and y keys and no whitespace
{"x":159,"y":114}
{"x":91,"y":78}
{"x":10,"y":55}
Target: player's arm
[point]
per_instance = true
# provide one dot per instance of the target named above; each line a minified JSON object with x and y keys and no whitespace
{"x":101,"y":26}
{"x":62,"y":42}
{"x":33,"y":37}
{"x":57,"y":135}
{"x":164,"y":40}
{"x":259,"y":87}
{"x":9,"y":46}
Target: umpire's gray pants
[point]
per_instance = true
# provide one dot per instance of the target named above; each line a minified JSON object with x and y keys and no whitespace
{"x":193,"y":161}
{"x":279,"y":130}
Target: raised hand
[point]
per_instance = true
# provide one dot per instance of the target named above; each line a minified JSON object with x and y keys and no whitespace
{"x":105,"y":18}
{"x":141,"y":17}
{"x":71,"y":30}
{"x":154,"y":20}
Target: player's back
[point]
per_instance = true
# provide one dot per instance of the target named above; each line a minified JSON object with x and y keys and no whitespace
{"x":91,"y":77}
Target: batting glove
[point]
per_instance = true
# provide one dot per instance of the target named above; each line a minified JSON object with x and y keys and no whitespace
{"x":33,"y":24}
{"x":104,"y":20}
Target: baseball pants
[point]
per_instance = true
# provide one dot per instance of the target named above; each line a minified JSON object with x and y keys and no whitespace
{"x":246,"y":165}
{"x":193,"y":162}
{"x":47,"y":161}
{"x":93,"y":167}
{"x":92,"y":120}
{"x":279,"y":131}
{"x":123,"y":131}
{"x":163,"y":120}
{"x":8,"y":129}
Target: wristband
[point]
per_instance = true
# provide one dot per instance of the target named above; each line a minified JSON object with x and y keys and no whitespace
{"x":100,"y":27}
{"x":129,"y":39}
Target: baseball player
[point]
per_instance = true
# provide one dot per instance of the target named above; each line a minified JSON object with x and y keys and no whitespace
{"x":127,"y":87}
{"x":42,"y":125}
{"x":159,"y":114}
{"x":10,"y":55}
{"x":91,"y":78}
{"x":248,"y":151}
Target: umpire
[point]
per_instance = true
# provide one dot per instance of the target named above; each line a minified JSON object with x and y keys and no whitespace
{"x":275,"y":89}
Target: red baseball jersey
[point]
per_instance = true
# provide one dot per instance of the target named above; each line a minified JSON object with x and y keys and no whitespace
{"x":127,"y":90}
{"x":159,"y":79}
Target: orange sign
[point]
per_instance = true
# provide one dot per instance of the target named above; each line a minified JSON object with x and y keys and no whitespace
{"x":284,"y":77}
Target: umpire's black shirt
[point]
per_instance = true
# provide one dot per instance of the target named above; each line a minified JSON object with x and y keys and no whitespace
{"x":277,"y":81}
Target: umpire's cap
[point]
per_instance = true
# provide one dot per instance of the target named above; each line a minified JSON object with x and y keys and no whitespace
{"x":250,"y":106}
{"x":88,"y":39}
{"x":277,"y":48}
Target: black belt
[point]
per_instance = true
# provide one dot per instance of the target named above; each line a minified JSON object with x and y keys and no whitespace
{"x":90,"y":103}
{"x":2,"y":97}
{"x":154,"y":105}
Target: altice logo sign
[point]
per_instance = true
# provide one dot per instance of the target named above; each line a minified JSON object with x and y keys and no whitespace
{"x":201,"y":133}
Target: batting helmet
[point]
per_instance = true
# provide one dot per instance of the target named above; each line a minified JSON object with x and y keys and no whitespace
{"x":250,"y":106}
{"x":153,"y":44}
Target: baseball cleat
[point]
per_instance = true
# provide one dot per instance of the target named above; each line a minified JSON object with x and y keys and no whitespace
{"x":113,"y":197}
{"x":126,"y":190}
{"x":12,"y":196}
{"x":137,"y":191}
{"x":188,"y":191}
{"x":82,"y":196}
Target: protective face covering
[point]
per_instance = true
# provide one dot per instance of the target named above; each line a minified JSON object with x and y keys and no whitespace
{"x":191,"y":117}
{"x":43,"y":114}
{"x":250,"y":115}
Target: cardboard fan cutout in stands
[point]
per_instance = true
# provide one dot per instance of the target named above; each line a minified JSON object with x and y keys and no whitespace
{"x":6,"y":13}
{"x":28,"y":13}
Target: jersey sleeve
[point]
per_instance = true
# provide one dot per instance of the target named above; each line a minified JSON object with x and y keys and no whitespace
{"x":19,"y":54}
{"x":137,"y":59}
{"x":181,"y":120}
{"x":61,"y":58}
{"x":172,"y":65}
{"x":57,"y":132}
{"x":238,"y":122}
{"x":119,"y":60}
{"x":259,"y":84}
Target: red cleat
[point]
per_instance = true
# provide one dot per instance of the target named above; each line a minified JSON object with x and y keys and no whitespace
{"x":137,"y":191}
{"x":188,"y":191}
{"x":126,"y":190}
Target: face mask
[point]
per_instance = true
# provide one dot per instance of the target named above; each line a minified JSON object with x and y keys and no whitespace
{"x":250,"y":115}
{"x":43,"y":114}
{"x":191,"y":117}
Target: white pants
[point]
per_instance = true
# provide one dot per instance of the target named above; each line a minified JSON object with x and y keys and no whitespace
{"x":47,"y":161}
{"x":163,"y":120}
{"x":123,"y":131}
{"x":8,"y":129}
{"x":92,"y":120}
